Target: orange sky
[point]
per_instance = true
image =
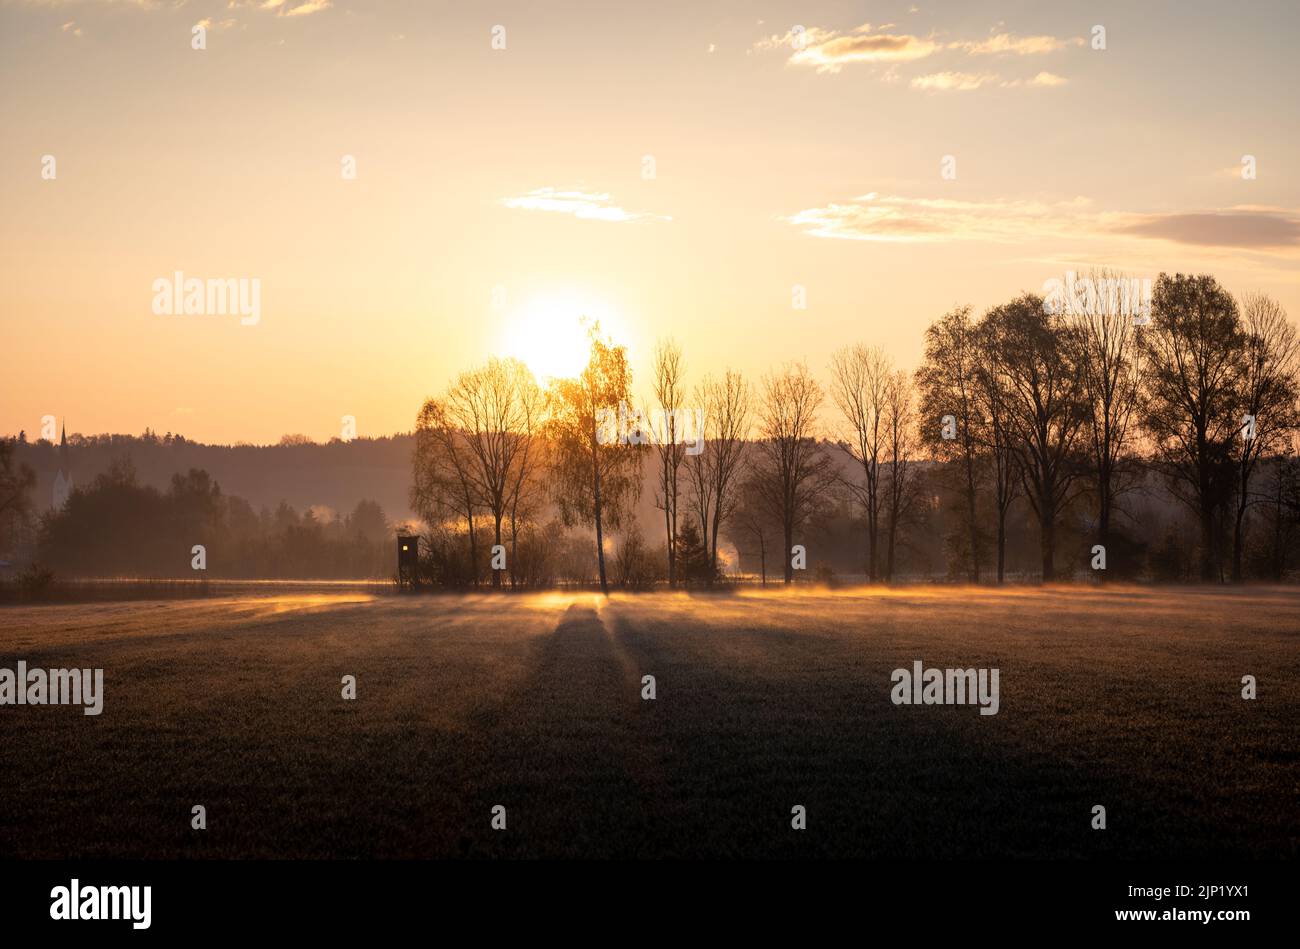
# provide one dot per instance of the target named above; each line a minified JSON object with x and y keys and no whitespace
{"x":496,"y":190}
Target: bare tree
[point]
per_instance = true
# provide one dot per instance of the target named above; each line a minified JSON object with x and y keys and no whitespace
{"x":596,"y":466}
{"x":1110,"y":368}
{"x":947,"y":383}
{"x":1270,"y":383}
{"x":699,"y":481}
{"x":992,"y":427}
{"x":668,"y":392}
{"x":1037,"y":361}
{"x":901,"y":439}
{"x":1192,"y":351}
{"x":755,"y":516}
{"x":726,"y":405}
{"x":527,"y":487}
{"x":860,"y":380}
{"x":487,"y":406}
{"x":632,"y":563}
{"x":1283,"y":499}
{"x":794,"y":470}
{"x":442,"y":488}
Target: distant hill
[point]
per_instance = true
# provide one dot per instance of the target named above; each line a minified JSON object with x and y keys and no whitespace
{"x":336,"y":474}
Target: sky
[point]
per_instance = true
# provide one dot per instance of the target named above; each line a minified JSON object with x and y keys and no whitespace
{"x":685,"y":170}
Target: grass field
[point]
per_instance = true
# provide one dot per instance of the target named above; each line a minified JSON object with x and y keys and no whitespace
{"x":1124,"y":697}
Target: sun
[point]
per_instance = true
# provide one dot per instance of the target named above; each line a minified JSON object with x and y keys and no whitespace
{"x":549,"y":333}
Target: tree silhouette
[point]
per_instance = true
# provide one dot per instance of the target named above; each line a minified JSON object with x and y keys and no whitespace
{"x":946,"y":379}
{"x":1270,"y":385}
{"x":1037,"y":360}
{"x":595,"y":466}
{"x":1191,"y":399}
{"x":860,"y":381}
{"x":668,"y":391}
{"x":794,"y":471}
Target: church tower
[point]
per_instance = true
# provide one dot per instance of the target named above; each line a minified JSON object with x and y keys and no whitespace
{"x":62,"y":480}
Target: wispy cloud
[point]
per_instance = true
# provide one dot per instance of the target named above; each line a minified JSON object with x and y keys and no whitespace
{"x":829,"y":50}
{"x":284,"y":7}
{"x":279,"y":7}
{"x":307,"y":8}
{"x":952,"y":81}
{"x":1247,"y":227}
{"x":899,"y":219}
{"x":894,"y":218}
{"x":586,"y":205}
{"x":207,"y":24}
{"x":1008,"y":44}
{"x":1046,"y":79}
{"x":965,"y":82}
{"x":144,"y":4}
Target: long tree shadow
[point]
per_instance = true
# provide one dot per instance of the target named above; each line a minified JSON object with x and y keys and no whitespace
{"x":787,"y":719}
{"x":563,"y":757}
{"x":714,"y":765}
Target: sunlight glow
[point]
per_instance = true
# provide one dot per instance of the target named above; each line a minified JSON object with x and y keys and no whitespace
{"x":549,"y":333}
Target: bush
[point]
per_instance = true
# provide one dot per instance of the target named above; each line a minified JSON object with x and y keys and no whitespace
{"x":1170,"y":562}
{"x":1125,"y":556}
{"x":35,"y":582}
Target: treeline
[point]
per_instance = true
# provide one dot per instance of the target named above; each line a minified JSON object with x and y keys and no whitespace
{"x":1154,"y":442}
{"x":1041,"y":439}
{"x":333,"y":473}
{"x":117,"y":527}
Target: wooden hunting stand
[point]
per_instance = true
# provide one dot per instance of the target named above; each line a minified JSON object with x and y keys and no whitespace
{"x":408,"y":561}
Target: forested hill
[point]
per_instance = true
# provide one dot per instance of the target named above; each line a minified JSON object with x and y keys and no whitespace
{"x":336,"y":474}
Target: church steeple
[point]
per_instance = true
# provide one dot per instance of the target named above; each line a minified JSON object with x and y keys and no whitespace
{"x":62,"y":479}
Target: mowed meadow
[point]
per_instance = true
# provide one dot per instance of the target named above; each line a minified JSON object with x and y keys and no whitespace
{"x":1125,"y":697}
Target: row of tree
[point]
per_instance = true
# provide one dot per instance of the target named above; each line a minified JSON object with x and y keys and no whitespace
{"x":1066,"y":410}
{"x":116,"y":526}
{"x":1051,"y":406}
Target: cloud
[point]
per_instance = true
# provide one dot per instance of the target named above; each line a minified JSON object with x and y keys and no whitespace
{"x":829,"y":50}
{"x":308,"y":8}
{"x":952,"y":81}
{"x":586,"y":205}
{"x":964,"y":81}
{"x":893,"y":218}
{"x":71,"y":27}
{"x":1007,"y":44}
{"x":207,"y":24}
{"x":838,"y":51}
{"x":1245,"y":227}
{"x":146,"y":4}
{"x":1047,"y":79}
{"x":795,"y":36}
{"x":899,"y":219}
{"x":284,"y":7}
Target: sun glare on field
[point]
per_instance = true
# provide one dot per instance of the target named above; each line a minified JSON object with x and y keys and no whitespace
{"x":549,"y":333}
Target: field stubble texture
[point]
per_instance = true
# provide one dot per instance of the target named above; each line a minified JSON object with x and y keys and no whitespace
{"x":1125,"y":697}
